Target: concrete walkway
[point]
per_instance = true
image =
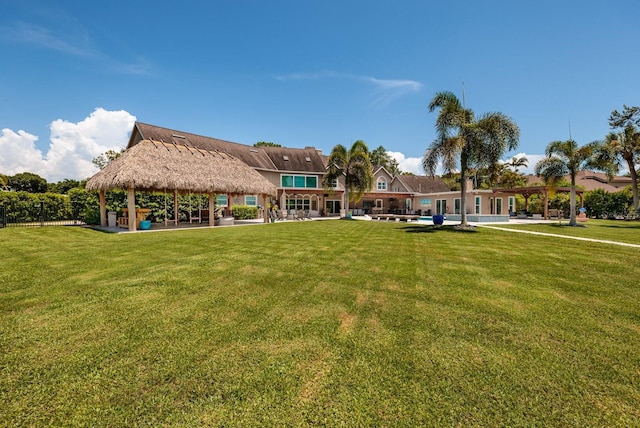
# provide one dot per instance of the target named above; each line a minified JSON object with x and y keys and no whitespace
{"x":554,"y":235}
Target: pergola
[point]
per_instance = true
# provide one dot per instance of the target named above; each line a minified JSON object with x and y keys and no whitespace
{"x":159,"y":166}
{"x":527,"y":192}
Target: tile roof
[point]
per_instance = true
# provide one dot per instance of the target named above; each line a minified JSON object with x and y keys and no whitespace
{"x":590,"y":180}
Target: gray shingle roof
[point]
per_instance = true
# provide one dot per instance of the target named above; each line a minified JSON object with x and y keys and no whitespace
{"x":264,"y":157}
{"x":423,"y":184}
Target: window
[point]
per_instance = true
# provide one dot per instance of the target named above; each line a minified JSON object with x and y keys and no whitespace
{"x":221,"y":200}
{"x":299,"y":204}
{"x":382,"y":183}
{"x":512,"y":204}
{"x":311,"y":182}
{"x":299,"y":181}
{"x":477,"y":205}
{"x":251,"y":200}
{"x":425,"y":201}
{"x":456,"y":206}
{"x":379,"y":203}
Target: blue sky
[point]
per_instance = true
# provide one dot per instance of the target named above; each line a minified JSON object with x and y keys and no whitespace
{"x":75,"y":75}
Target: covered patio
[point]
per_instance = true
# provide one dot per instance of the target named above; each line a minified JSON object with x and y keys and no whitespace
{"x":527,"y":192}
{"x":157,"y":166}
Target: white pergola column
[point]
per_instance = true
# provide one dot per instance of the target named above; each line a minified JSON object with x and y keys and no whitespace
{"x":265,"y":210}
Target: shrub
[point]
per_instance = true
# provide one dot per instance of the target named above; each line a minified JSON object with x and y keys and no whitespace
{"x":244,"y":212}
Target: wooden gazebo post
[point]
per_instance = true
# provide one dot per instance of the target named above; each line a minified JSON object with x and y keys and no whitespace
{"x":546,"y":203}
{"x":176,"y":207}
{"x":212,"y":219}
{"x":103,"y":208}
{"x":131,"y":205}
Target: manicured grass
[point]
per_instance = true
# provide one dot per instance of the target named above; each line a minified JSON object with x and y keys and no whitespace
{"x":610,"y":230}
{"x":317,"y":323}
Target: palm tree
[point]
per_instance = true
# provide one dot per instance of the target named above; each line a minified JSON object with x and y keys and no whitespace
{"x":462,"y":138}
{"x":562,"y":158}
{"x":355,"y":168}
{"x":622,"y":148}
{"x":517,"y":162}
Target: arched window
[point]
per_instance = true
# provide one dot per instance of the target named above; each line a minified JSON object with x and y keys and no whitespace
{"x":382,"y":183}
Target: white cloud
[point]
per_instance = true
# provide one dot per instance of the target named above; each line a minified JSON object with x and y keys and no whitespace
{"x":408,"y":164}
{"x":39,"y":36}
{"x":72,"y":147}
{"x":18,"y":153}
{"x":72,"y":40}
{"x":533,"y":159}
{"x":386,"y":90}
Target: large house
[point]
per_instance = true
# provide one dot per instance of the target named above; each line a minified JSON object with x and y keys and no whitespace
{"x":298,"y":174}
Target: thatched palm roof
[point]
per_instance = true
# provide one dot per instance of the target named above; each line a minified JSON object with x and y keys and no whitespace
{"x":153,"y":165}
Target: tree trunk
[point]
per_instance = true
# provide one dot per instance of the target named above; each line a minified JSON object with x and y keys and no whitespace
{"x":634,"y":184}
{"x":463,"y":189}
{"x":572,"y":201}
{"x":346,"y":201}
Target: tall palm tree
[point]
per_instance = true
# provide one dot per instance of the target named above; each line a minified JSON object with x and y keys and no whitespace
{"x":562,"y":158}
{"x":464,"y":141}
{"x":617,"y":150}
{"x":353,"y":166}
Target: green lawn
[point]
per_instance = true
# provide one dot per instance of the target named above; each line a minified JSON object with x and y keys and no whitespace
{"x":317,"y":323}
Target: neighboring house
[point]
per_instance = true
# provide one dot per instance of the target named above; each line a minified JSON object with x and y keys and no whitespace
{"x":590,"y":180}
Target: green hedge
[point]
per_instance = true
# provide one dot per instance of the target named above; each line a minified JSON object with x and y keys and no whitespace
{"x":25,"y":206}
{"x":82,"y":205}
{"x":244,"y":212}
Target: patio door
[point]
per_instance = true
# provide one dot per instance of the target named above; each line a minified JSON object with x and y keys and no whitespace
{"x":441,"y":206}
{"x":332,"y":207}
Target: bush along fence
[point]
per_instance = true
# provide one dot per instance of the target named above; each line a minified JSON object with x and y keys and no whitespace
{"x":23,"y":209}
{"x":79,"y":207}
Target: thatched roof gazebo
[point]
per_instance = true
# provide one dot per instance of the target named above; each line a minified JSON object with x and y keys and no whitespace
{"x":159,"y":166}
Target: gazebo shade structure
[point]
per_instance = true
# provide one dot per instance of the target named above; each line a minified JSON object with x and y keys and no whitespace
{"x":159,"y":166}
{"x":527,"y":192}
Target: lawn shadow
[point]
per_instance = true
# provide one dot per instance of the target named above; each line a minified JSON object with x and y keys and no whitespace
{"x":626,"y":225}
{"x":417,"y":228}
